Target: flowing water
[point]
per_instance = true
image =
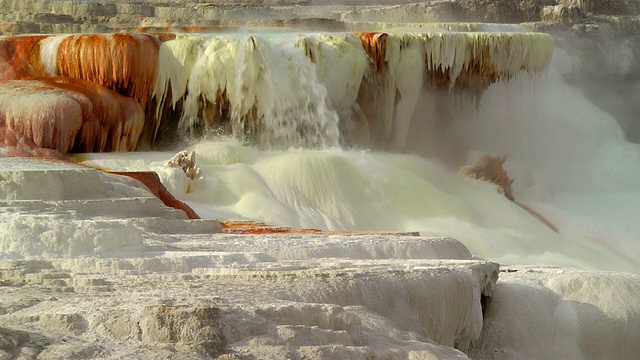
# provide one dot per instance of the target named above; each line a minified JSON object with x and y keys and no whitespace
{"x":306,"y":166}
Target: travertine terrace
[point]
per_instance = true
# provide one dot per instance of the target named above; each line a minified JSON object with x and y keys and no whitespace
{"x":299,"y":223}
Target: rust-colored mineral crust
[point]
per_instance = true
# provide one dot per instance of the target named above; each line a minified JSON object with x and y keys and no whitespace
{"x":20,"y":57}
{"x":70,"y":115}
{"x":490,"y":168}
{"x":125,"y":63}
{"x":374,"y":45}
{"x":151,"y":180}
{"x":254,"y":227}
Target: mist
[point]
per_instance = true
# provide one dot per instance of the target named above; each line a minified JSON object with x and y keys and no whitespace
{"x":539,"y":122}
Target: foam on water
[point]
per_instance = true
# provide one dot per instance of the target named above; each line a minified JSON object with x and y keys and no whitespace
{"x":570,"y":163}
{"x":358,"y":190}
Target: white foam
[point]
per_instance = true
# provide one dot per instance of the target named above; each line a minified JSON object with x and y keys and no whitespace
{"x":569,"y":160}
{"x":358,"y":190}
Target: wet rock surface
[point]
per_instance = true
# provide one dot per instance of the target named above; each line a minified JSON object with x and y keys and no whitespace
{"x":94,"y":266}
{"x":108,"y":271}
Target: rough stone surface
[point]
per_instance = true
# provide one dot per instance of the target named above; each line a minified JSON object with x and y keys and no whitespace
{"x":567,"y":14}
{"x":15,"y":144}
{"x":66,"y":114}
{"x":574,"y":304}
{"x":144,"y":288}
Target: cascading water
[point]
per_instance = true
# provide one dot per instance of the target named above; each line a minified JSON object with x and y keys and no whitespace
{"x":321,"y":90}
{"x":306,"y":90}
{"x":247,"y":76}
{"x":314,"y":114}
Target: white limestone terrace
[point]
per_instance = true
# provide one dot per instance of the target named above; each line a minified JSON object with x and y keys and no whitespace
{"x":93,"y":266}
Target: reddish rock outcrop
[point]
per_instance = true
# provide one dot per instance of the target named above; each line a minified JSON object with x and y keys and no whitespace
{"x":489,"y":168}
{"x":68,"y":115}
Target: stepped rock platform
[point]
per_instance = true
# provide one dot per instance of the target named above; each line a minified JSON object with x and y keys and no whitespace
{"x":93,"y":265}
{"x":97,"y":259}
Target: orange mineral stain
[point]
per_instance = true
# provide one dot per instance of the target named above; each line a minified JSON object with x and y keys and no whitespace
{"x":260,"y":228}
{"x":70,"y":115}
{"x":125,"y":63}
{"x":374,"y":45}
{"x":20,"y":57}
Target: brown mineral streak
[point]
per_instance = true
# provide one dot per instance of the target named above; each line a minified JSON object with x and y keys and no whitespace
{"x":113,"y":123}
{"x":260,"y":228}
{"x":151,"y":180}
{"x":374,"y":45}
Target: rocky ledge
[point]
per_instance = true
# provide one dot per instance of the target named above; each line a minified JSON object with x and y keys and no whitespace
{"x":600,"y":40}
{"x":93,"y":266}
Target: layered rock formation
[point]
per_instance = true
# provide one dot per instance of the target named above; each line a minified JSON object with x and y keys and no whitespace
{"x":94,"y":266}
{"x":101,"y":269}
{"x":118,"y":248}
{"x":66,"y":115}
{"x":347,"y":88}
{"x":600,"y":38}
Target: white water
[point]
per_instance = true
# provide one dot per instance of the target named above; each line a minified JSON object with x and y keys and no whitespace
{"x":318,"y":90}
{"x":272,"y":88}
{"x":569,"y":160}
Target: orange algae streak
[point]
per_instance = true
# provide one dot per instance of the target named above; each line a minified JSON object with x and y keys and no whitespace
{"x":125,"y":63}
{"x":152,"y":181}
{"x":260,"y":228}
{"x":374,"y":45}
{"x":20,"y":57}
